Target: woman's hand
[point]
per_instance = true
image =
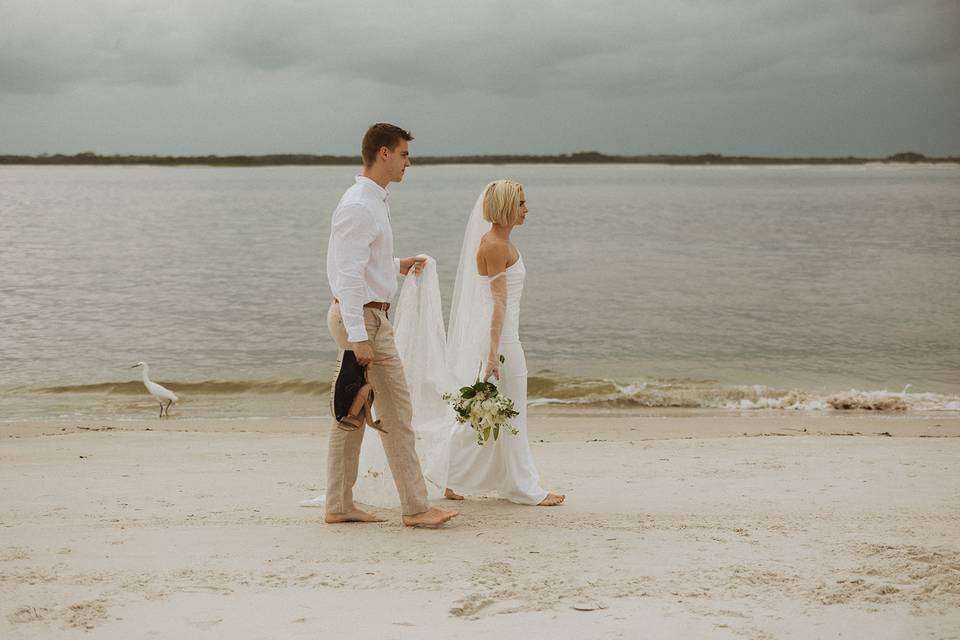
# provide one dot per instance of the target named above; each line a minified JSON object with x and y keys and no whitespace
{"x":492,"y":368}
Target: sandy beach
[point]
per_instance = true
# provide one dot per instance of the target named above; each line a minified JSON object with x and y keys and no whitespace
{"x":676,"y":525}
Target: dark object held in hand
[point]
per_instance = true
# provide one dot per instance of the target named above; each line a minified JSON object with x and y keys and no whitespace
{"x":352,"y":401}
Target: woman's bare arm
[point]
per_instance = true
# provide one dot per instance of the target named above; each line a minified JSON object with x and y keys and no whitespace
{"x":492,"y":259}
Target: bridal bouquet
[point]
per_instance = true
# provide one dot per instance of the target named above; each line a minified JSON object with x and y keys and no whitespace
{"x":484,"y":409}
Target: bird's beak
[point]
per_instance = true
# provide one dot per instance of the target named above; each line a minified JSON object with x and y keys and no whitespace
{"x":135,"y":366}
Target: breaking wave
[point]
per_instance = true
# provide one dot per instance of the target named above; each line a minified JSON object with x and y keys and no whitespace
{"x":697,"y":394}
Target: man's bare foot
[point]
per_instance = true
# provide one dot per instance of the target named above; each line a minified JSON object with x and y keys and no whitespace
{"x":432,"y":518}
{"x":450,"y":494}
{"x":354,"y":515}
{"x":552,"y":500}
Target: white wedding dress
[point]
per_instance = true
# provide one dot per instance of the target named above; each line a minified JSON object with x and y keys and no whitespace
{"x":434,"y":364}
{"x":502,"y":467}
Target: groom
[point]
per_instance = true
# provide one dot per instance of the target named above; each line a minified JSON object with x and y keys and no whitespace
{"x":362,"y":273}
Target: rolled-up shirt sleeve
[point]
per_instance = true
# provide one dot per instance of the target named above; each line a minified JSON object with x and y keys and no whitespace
{"x":352,"y":231}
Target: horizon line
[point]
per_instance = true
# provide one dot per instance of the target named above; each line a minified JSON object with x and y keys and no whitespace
{"x":578,"y":157}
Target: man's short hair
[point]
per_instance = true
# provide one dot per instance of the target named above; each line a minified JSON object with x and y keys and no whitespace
{"x":381,"y":135}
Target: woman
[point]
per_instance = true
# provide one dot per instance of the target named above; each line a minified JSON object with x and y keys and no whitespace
{"x":485,"y":320}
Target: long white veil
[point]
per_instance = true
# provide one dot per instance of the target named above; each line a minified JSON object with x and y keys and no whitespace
{"x":468,"y":338}
{"x":433,"y":364}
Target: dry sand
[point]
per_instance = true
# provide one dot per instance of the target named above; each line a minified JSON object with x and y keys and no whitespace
{"x":677,"y":525}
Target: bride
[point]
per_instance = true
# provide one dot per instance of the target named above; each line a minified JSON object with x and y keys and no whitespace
{"x":484,"y":323}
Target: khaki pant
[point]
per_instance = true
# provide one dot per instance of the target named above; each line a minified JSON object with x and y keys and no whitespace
{"x":392,"y":405}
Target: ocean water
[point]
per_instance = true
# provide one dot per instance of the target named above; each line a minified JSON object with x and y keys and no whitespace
{"x":817,"y":288}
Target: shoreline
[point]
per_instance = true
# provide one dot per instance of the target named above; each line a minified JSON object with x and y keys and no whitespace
{"x":554,"y":395}
{"x":565,"y":423}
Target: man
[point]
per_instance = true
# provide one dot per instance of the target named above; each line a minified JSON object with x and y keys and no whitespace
{"x":362,"y":273}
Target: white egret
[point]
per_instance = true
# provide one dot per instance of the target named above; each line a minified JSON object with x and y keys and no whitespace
{"x":159,"y":392}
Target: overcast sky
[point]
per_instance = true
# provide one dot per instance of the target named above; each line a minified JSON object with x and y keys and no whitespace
{"x":783,"y":77}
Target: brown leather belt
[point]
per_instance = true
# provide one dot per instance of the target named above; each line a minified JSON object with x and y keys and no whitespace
{"x":383,"y":306}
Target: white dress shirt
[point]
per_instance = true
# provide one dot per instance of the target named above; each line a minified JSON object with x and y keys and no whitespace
{"x":361,"y":267}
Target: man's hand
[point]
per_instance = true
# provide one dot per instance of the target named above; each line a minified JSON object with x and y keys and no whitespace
{"x":416,"y":262}
{"x":363,"y":351}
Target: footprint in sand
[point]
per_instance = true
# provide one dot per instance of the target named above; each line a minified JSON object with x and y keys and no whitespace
{"x":13,"y":553}
{"x":28,"y":614}
{"x":85,"y":615}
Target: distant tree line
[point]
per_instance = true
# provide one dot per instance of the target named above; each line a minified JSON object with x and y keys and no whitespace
{"x":581,"y":157}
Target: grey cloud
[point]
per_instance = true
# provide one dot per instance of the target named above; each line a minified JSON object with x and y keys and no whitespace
{"x":599,"y":64}
{"x":50,"y":46}
{"x":498,"y":47}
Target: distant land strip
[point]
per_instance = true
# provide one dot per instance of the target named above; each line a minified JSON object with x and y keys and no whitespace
{"x":582,"y":157}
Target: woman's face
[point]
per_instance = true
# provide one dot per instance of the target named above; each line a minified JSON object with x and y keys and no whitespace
{"x":523,"y":208}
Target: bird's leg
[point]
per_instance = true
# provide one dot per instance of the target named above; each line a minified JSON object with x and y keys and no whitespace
{"x":169,"y":402}
{"x":161,"y":409}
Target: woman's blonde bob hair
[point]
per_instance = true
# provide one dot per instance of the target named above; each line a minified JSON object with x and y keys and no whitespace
{"x":501,"y":202}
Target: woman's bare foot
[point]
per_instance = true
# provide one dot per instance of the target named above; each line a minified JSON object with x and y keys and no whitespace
{"x":432,"y":518}
{"x":552,"y":500}
{"x":354,"y":515}
{"x":450,"y":494}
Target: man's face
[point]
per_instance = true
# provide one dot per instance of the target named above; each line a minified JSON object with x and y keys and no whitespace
{"x":398,"y":160}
